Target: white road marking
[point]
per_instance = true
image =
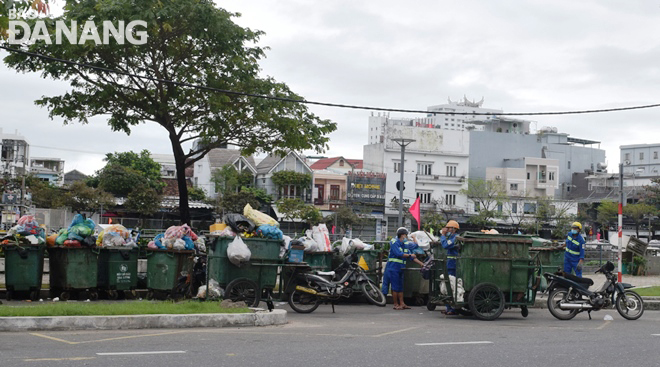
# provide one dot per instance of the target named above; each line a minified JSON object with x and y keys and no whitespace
{"x":655,"y":334}
{"x":454,"y":343}
{"x":138,"y":353}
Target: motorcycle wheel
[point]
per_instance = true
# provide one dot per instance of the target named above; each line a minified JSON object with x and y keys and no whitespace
{"x":303,"y":302}
{"x":632,"y":307}
{"x":557,"y":296}
{"x":373,"y":294}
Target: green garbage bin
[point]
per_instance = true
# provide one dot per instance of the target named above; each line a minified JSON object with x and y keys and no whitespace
{"x":24,"y":267}
{"x":118,"y":271}
{"x":321,"y":261}
{"x":414,"y":286}
{"x":73,"y":270}
{"x":164,"y":268}
{"x":262,"y":268}
{"x":370,"y":257}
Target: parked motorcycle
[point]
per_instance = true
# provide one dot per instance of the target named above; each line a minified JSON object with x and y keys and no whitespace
{"x":570,"y":295}
{"x":309,"y":290}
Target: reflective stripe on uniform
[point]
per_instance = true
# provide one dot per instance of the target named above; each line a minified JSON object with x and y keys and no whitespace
{"x":575,"y":242}
{"x":451,"y":257}
{"x":395,"y":260}
{"x":572,"y":252}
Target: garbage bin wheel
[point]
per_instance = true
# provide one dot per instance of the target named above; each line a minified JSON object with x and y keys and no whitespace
{"x":430,"y":305}
{"x":243,"y":289}
{"x":94,"y":295}
{"x":34,"y":295}
{"x":10,"y":295}
{"x":150,"y":295}
{"x":113,"y":295}
{"x":64,"y":296}
{"x":524,"y":311}
{"x":486,"y":301}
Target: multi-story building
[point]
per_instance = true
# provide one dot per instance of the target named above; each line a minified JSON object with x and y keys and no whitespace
{"x":14,"y":155}
{"x":49,"y":170}
{"x":435,"y":168}
{"x":214,"y":160}
{"x":274,"y":163}
{"x":641,"y":164}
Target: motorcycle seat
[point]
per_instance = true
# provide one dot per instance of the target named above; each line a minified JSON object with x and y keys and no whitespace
{"x":579,"y":280}
{"x":326,"y":273}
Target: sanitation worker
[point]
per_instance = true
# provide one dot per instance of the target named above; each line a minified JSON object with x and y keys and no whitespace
{"x":574,"y":255}
{"x":396,"y":263}
{"x":448,"y":241}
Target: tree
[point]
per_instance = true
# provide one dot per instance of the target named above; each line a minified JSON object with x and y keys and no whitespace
{"x":82,"y":198}
{"x":296,"y":208}
{"x":127,"y":170}
{"x":285,"y":178}
{"x":197,"y":194}
{"x":144,"y":200}
{"x":607,"y":213}
{"x":433,"y":222}
{"x":344,"y":218}
{"x":229,"y":179}
{"x":45,"y":195}
{"x":234,"y":202}
{"x":638,"y":212}
{"x":118,"y":180}
{"x":487,"y":196}
{"x":189,"y":41}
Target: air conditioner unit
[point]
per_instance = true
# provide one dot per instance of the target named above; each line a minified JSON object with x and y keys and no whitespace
{"x":498,"y":177}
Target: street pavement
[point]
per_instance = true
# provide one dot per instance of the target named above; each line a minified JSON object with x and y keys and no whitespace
{"x":357,"y":335}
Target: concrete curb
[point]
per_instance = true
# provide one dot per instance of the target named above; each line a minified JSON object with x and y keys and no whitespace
{"x":258,"y":318}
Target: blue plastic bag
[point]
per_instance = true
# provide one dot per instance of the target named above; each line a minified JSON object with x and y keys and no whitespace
{"x":190,"y":245}
{"x":271,"y":232}
{"x":158,"y":240}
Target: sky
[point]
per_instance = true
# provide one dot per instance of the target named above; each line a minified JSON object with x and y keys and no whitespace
{"x":520,"y":56}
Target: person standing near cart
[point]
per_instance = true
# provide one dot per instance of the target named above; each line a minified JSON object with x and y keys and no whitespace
{"x":574,"y":255}
{"x":448,"y":241}
{"x":396,"y":263}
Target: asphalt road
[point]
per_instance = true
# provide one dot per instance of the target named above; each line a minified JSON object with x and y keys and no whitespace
{"x":357,"y":335}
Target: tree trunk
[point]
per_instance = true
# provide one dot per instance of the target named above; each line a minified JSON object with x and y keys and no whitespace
{"x":180,"y":161}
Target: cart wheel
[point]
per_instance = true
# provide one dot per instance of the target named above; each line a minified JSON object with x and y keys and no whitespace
{"x":64,"y":296}
{"x":113,"y":295}
{"x":34,"y":295}
{"x":486,"y":301}
{"x":10,"y":295}
{"x":243,"y":290}
{"x":93,"y":296}
{"x":150,"y":295}
{"x":524,"y":311}
{"x":430,"y":305}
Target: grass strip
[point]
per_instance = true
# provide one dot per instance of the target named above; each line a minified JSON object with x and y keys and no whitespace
{"x":116,"y":308}
{"x":648,"y":292}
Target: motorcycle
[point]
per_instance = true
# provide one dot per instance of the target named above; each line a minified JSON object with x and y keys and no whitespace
{"x":570,"y":295}
{"x":308,"y":290}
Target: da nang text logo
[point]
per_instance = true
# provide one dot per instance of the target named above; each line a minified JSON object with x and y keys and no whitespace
{"x":21,"y":32}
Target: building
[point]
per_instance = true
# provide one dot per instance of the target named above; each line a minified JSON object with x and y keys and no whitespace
{"x":73,"y":176}
{"x":274,"y":163}
{"x":14,"y":154}
{"x":527,"y":177}
{"x":329,"y":190}
{"x":641,"y":163}
{"x":573,"y":155}
{"x":49,"y":170}
{"x":436,"y":164}
{"x":214,"y":160}
{"x":458,"y":115}
{"x":167,"y":165}
{"x":338,"y":165}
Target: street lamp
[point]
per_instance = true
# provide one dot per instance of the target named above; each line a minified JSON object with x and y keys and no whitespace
{"x":403,"y":143}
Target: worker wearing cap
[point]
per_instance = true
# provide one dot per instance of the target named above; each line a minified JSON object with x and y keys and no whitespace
{"x":448,"y":241}
{"x":396,"y":263}
{"x":574,"y":255}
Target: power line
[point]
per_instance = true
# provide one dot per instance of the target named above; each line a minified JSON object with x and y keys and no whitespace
{"x":326,"y":104}
{"x":68,"y":150}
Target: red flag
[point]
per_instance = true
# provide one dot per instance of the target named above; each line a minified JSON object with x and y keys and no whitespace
{"x":414,"y":210}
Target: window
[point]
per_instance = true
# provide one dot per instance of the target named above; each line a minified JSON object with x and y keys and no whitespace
{"x":476,"y":207}
{"x":529,"y":208}
{"x":514,"y":208}
{"x":451,"y":170}
{"x":499,"y":208}
{"x":397,"y":167}
{"x":568,"y":188}
{"x":341,"y":163}
{"x":551,"y":176}
{"x":424,"y":169}
{"x":627,"y":156}
{"x":569,"y":164}
{"x":334,"y":192}
{"x":450,"y":199}
{"x":655,"y":155}
{"x":513,"y":187}
{"x":424,"y":197}
{"x":529,"y":176}
{"x":641,"y":156}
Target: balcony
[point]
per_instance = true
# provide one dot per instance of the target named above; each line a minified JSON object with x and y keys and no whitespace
{"x":441,"y":180}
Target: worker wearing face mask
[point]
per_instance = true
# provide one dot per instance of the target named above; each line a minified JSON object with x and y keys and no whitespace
{"x":574,"y":255}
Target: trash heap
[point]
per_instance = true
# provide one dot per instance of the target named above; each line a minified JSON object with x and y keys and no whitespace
{"x":26,"y":232}
{"x":79,"y":234}
{"x":115,"y":236}
{"x":178,"y":238}
{"x":252,"y":223}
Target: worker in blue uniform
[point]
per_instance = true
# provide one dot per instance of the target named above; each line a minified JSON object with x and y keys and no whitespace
{"x":574,"y":255}
{"x":448,"y":241}
{"x":399,"y":254}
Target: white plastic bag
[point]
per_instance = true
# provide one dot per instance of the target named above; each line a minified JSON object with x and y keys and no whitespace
{"x":238,"y":252}
{"x":422,"y":239}
{"x":357,"y":243}
{"x":285,"y":245}
{"x":310,"y":244}
{"x":319,"y":238}
{"x":179,"y":244}
{"x":215,"y":290}
{"x":460,"y":292}
{"x":345,"y":245}
{"x":327,"y":245}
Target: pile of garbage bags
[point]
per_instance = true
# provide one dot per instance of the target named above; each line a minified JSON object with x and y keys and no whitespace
{"x":250,"y":224}
{"x":115,"y":236}
{"x":317,"y":239}
{"x":178,"y":238}
{"x":26,"y":232}
{"x":348,"y":244}
{"x":79,"y":233}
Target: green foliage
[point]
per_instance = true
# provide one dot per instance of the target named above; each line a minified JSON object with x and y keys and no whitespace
{"x":344,"y":218}
{"x":127,"y":170}
{"x":296,"y":208}
{"x":117,"y":308}
{"x":638,"y":212}
{"x":260,"y":194}
{"x":197,"y":194}
{"x":228,"y":179}
{"x":310,"y":214}
{"x":189,"y":41}
{"x":143,"y":200}
{"x":284,"y":178}
{"x":607,"y":212}
{"x":118,"y":180}
{"x":46,"y":195}
{"x":482,"y":220}
{"x":487,"y":195}
{"x":84,"y":198}
{"x":434,"y":221}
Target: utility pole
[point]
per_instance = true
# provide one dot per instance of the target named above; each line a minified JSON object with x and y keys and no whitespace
{"x":403,"y":143}
{"x":620,"y":254}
